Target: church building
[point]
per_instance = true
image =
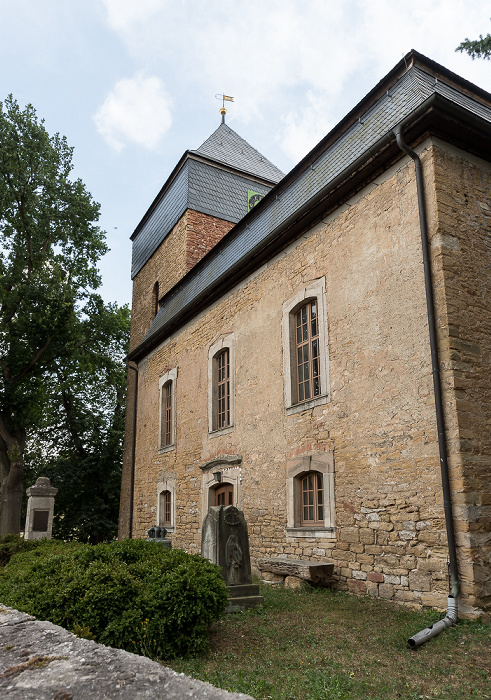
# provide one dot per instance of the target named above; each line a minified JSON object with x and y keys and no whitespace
{"x":315,"y":348}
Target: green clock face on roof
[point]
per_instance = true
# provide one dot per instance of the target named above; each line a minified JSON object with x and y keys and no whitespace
{"x":252,"y":199}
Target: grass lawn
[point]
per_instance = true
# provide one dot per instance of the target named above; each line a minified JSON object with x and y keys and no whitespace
{"x":324,"y":645}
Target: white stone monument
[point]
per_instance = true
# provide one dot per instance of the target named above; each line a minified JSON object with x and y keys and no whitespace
{"x":40,"y":509}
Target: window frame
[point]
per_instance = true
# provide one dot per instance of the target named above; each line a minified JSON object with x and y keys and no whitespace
{"x":230,"y":470}
{"x":316,"y":504}
{"x":167,"y":380}
{"x":314,"y":292}
{"x":297,"y":469}
{"x":167,"y":485}
{"x":217,"y":350}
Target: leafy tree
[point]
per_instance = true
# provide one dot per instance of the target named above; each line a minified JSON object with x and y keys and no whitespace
{"x":79,"y":443}
{"x":49,"y":247}
{"x":479,"y":48}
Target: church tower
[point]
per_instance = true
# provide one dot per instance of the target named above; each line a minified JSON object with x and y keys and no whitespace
{"x":208,"y":192}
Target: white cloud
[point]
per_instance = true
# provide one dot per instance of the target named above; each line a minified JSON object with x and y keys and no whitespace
{"x":137,"y":110}
{"x":123,"y":15}
{"x":302,"y":128}
{"x":294,"y":67}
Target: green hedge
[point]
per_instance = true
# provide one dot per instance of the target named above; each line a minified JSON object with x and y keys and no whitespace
{"x":134,"y":595}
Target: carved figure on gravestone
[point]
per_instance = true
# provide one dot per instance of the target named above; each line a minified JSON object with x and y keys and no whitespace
{"x":233,"y":555}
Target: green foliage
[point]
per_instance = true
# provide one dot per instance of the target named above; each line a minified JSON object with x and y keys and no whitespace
{"x":479,"y":48}
{"x":134,"y":595}
{"x":61,"y":348}
{"x":13,"y":544}
{"x":79,"y":443}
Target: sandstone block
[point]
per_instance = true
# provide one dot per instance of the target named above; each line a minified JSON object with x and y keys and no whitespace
{"x":419,"y":581}
{"x":386,"y":590}
{"x":293,"y":582}
{"x":375,"y":576}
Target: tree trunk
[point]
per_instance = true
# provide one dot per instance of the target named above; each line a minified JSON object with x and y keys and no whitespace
{"x":11,"y":471}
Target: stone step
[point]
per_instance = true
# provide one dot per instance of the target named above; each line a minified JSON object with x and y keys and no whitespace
{"x":244,"y":589}
{"x":244,"y":603}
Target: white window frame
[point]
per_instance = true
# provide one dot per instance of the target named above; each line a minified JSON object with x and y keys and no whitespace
{"x":315,"y":291}
{"x":170,"y":376}
{"x":225,"y":343}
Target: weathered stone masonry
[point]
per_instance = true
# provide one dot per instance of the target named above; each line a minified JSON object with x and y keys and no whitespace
{"x":377,"y":427}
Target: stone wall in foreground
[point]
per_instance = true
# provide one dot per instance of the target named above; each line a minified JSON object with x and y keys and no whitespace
{"x":43,"y":661}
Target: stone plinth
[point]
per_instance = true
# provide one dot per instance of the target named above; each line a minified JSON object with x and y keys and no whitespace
{"x":40,"y":509}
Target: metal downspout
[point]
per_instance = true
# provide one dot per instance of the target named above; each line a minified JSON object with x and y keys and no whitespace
{"x":133,"y":450}
{"x":452,"y":614}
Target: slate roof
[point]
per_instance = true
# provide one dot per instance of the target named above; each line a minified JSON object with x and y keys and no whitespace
{"x":227,"y":147}
{"x":367,"y":130}
{"x":213,"y":180}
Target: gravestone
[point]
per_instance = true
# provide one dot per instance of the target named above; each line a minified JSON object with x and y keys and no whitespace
{"x":40,"y":509}
{"x":225,"y":542}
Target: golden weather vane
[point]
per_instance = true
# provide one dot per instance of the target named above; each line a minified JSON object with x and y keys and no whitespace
{"x":224,"y":98}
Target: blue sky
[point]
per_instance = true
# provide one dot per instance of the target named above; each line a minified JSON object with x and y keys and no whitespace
{"x":132,"y":83}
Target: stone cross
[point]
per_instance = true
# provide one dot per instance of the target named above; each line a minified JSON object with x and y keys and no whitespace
{"x":40,"y":509}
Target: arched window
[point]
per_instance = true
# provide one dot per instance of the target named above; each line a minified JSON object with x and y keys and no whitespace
{"x":310,"y":495}
{"x":221,"y":385}
{"x":165,"y":508}
{"x":222,"y":368}
{"x":166,"y":501}
{"x":166,"y":434}
{"x":307,"y":378}
{"x":306,"y":349}
{"x":167,"y":410}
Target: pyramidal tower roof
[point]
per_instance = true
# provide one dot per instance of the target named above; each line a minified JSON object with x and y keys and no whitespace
{"x":225,"y":146}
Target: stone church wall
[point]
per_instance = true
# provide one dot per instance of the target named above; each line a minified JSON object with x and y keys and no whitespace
{"x":379,"y":424}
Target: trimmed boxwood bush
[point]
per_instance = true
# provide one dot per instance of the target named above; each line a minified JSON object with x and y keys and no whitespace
{"x":133,"y":594}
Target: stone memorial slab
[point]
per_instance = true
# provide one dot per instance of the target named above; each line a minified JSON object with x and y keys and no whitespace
{"x":225,"y":542}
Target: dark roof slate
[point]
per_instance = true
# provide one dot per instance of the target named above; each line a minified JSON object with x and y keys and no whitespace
{"x":227,"y":147}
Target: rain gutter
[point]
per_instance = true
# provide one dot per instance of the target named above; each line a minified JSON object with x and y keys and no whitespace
{"x":133,"y":450}
{"x":452,"y":613}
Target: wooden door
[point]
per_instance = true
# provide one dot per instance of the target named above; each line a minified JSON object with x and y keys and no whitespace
{"x":224,"y":495}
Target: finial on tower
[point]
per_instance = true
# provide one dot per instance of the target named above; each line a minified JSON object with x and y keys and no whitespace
{"x":223,"y":111}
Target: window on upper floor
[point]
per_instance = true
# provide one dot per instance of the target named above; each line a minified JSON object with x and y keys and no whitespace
{"x":222,"y":369}
{"x":167,"y":412}
{"x":311,"y":492}
{"x":305,"y":349}
{"x":221,"y":385}
{"x":155,"y":299}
